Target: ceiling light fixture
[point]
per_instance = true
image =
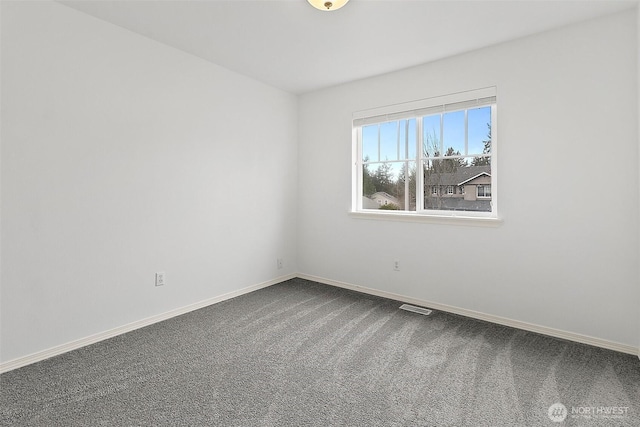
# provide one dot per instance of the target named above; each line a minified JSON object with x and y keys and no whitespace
{"x":327,"y":5}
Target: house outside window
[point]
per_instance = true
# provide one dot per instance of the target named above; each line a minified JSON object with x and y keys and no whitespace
{"x":419,"y":155}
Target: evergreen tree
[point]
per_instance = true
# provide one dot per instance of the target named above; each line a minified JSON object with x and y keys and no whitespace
{"x":400,"y":188}
{"x":368,"y":187}
{"x":484,"y":161}
{"x":383,"y":179}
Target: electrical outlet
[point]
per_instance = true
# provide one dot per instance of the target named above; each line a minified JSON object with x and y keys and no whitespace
{"x":396,"y":265}
{"x":280,"y":263}
{"x":160,"y":278}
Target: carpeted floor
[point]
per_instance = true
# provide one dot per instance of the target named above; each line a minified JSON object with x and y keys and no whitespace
{"x":305,"y":354}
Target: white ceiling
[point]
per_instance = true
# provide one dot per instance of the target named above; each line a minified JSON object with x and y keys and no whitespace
{"x":290,"y":45}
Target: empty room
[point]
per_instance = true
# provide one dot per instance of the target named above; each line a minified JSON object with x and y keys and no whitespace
{"x":320,"y":213}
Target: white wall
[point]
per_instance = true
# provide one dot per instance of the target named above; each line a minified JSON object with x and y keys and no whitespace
{"x":122,"y":157}
{"x":566,"y":255}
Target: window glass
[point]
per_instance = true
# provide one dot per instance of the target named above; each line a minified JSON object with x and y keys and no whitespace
{"x":480,"y":130}
{"x":390,"y":182}
{"x":370,"y":143}
{"x":447,"y":174}
{"x":453,"y":134}
{"x":389,"y":141}
{"x":431,"y":135}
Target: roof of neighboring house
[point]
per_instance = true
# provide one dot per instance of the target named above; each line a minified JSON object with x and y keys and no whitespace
{"x":474,"y":177}
{"x":460,"y":177}
{"x":385,"y":195}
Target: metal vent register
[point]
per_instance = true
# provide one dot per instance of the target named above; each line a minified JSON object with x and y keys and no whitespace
{"x":415,"y":309}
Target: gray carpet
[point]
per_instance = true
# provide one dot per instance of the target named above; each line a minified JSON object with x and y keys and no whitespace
{"x":305,"y":354}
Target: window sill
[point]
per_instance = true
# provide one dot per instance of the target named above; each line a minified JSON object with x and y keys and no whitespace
{"x":429,"y":219}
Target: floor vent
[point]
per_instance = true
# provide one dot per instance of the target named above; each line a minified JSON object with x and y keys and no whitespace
{"x":415,"y":309}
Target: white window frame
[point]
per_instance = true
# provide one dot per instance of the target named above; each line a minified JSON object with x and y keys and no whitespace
{"x":418,"y":109}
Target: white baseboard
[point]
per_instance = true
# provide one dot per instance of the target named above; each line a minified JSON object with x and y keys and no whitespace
{"x":584,"y":339}
{"x":73,"y":345}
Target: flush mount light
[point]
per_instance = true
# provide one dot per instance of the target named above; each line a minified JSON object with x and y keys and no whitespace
{"x":327,"y":5}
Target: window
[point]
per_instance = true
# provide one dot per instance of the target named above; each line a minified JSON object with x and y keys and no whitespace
{"x":484,"y":190}
{"x":418,"y":153}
